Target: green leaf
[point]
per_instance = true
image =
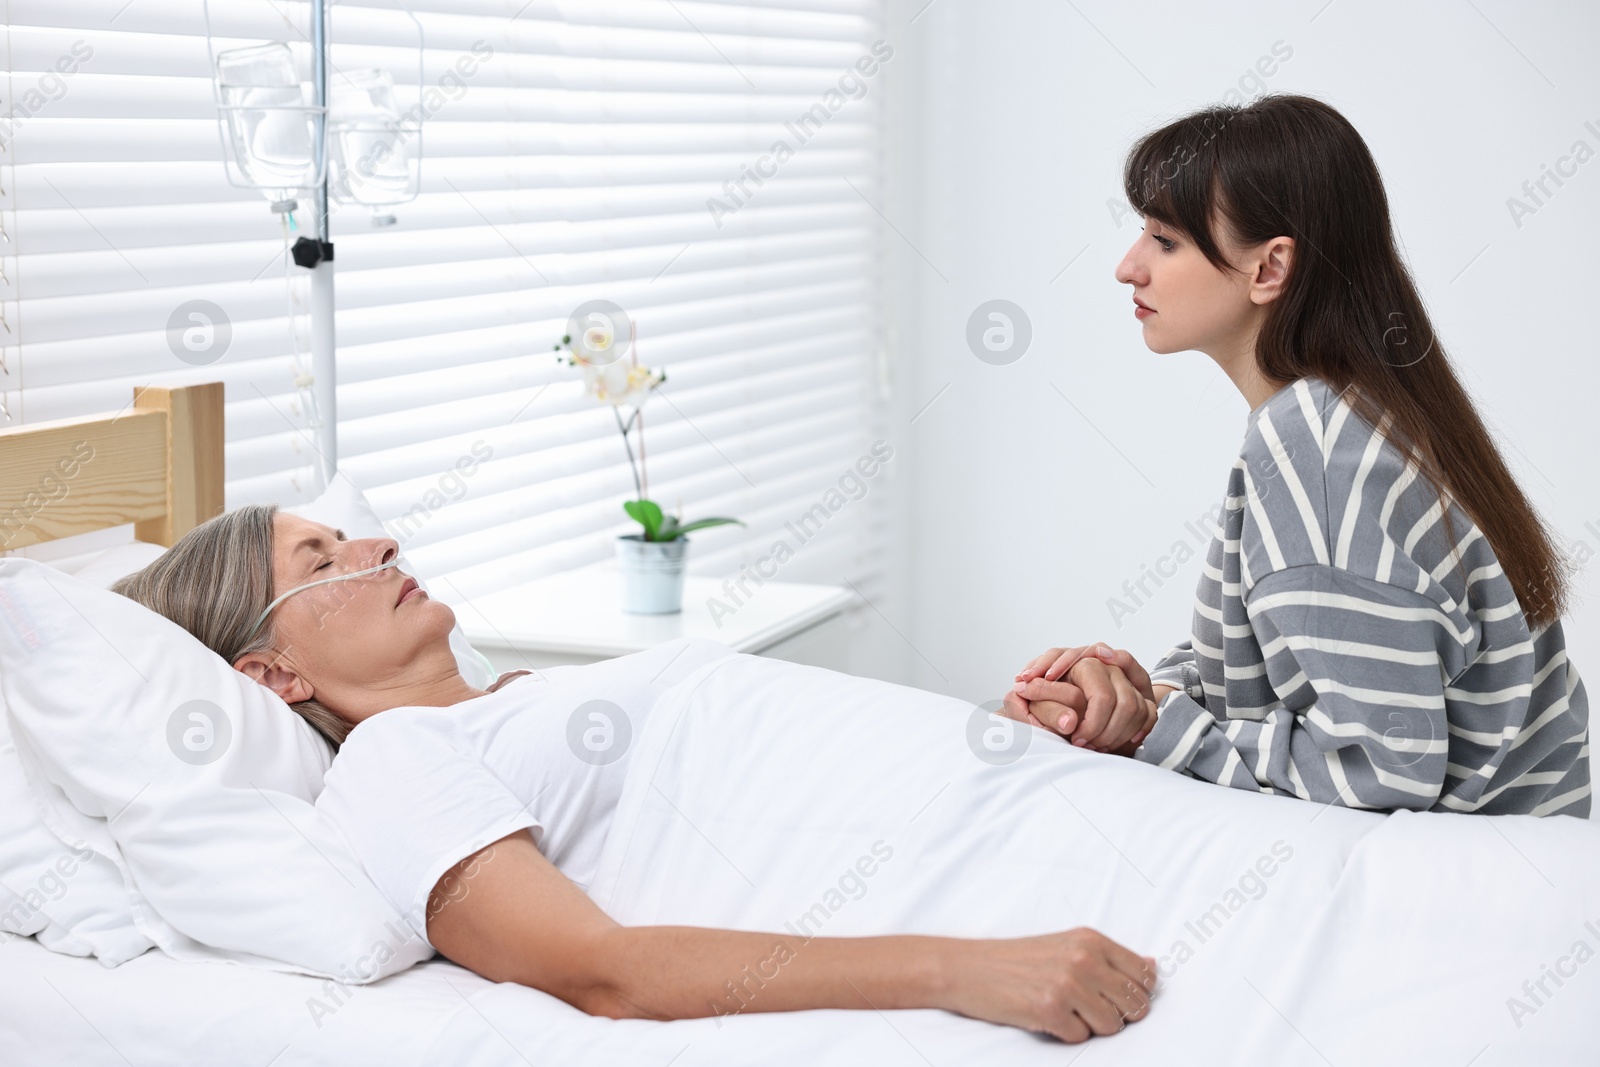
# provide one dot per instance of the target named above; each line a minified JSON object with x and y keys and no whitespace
{"x":701,"y":524}
{"x":646,"y":513}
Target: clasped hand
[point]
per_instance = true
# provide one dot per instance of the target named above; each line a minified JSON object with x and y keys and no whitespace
{"x":1095,"y":696}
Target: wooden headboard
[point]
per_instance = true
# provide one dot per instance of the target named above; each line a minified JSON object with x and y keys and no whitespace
{"x":157,"y":464}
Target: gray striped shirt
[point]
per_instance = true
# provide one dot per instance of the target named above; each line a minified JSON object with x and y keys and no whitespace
{"x":1350,"y":649}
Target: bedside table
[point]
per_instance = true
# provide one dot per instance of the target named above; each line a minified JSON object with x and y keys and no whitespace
{"x":576,"y":617}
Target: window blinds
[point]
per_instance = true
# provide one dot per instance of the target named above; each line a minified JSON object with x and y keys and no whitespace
{"x":712,"y":168}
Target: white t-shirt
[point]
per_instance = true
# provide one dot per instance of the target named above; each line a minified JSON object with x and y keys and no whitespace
{"x":415,"y":790}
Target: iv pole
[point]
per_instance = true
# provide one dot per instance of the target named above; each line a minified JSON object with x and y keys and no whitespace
{"x":324,"y":390}
{"x":315,"y":254}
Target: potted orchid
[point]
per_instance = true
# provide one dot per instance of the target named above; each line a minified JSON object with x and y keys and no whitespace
{"x":653,"y":560}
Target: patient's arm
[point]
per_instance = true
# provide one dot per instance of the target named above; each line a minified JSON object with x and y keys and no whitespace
{"x":508,"y":914}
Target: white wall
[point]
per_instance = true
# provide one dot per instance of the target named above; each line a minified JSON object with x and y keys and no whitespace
{"x":1020,"y":513}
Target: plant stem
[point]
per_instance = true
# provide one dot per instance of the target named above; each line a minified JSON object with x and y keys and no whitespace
{"x":644,"y":471}
{"x":627,"y":446}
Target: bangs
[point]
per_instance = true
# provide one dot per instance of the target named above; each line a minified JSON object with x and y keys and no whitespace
{"x":1171,"y":176}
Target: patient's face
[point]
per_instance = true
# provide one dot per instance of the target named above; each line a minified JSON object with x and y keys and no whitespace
{"x":362,"y":632}
{"x":1197,"y":307}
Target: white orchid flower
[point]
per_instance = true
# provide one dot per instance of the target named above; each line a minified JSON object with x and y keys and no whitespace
{"x":620,"y":384}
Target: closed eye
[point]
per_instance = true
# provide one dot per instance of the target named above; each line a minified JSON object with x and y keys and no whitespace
{"x":1167,"y":244}
{"x":317,"y":544}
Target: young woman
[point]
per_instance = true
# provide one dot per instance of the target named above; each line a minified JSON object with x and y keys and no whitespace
{"x":408,"y":788}
{"x":1378,"y":620}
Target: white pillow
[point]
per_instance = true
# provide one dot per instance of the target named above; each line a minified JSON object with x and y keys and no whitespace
{"x":111,"y":566}
{"x":206,"y":780}
{"x":67,"y":888}
{"x":344,"y":507}
{"x":73,"y":897}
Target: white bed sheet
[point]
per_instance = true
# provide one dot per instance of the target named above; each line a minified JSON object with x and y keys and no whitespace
{"x":1398,"y":940}
{"x":155,"y":1010}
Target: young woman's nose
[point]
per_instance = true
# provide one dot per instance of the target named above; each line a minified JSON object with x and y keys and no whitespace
{"x":1130,"y":271}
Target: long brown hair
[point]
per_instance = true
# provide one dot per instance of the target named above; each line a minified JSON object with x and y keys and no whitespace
{"x":1349,"y":312}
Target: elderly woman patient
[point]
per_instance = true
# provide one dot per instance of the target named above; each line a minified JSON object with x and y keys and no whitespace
{"x":347,"y":639}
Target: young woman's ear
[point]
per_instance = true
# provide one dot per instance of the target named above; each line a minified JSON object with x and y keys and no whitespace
{"x":275,"y":672}
{"x":1272,"y":269}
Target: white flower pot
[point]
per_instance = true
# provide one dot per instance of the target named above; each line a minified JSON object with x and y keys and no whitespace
{"x":652,"y":574}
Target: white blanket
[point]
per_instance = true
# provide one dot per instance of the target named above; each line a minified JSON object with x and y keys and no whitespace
{"x":753,"y":797}
{"x":1403,"y":939}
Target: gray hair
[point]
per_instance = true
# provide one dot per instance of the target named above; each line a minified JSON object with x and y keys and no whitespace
{"x":215,"y":582}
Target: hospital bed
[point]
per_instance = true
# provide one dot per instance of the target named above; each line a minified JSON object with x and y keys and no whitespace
{"x":1288,"y":933}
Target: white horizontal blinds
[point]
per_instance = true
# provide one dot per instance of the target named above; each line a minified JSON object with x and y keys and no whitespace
{"x":570,"y":152}
{"x":119,"y":218}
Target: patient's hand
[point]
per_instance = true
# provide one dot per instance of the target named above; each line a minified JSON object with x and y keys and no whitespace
{"x":1072,"y":984}
{"x":1045,"y":714}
